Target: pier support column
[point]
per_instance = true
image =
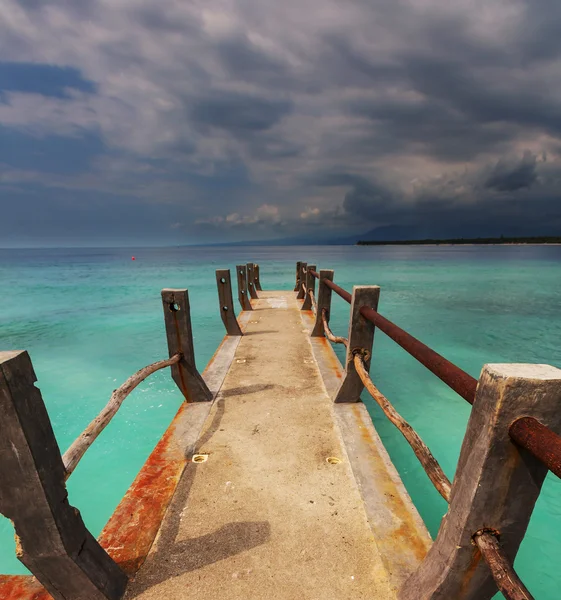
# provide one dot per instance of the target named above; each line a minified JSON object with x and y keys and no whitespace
{"x":361,"y":338}
{"x":297,"y":286}
{"x":496,"y":485}
{"x":302,"y":281}
{"x":251,"y":281}
{"x":310,"y":286}
{"x":226,"y":300}
{"x":179,"y":333}
{"x":52,"y":540}
{"x":257,"y":278}
{"x":323,"y":301}
{"x":241,"y":271}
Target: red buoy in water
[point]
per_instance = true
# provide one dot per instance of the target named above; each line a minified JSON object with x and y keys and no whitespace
{"x":133,"y":258}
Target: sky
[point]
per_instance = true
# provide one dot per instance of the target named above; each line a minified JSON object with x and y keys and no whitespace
{"x":183,"y":122}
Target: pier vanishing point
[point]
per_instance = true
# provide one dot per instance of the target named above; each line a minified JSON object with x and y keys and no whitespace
{"x":271,"y":481}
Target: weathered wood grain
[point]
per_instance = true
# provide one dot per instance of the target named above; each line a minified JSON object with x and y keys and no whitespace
{"x":251,"y":281}
{"x":241,"y":271}
{"x":310,"y":287}
{"x":302,"y":281}
{"x":257,"y":278}
{"x":496,"y":484}
{"x":361,"y":337}
{"x":323,"y":302}
{"x":179,"y":333}
{"x":297,"y":285}
{"x":226,"y":302}
{"x":52,"y":540}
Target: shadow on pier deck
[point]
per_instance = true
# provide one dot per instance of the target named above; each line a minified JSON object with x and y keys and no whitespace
{"x":267,"y":515}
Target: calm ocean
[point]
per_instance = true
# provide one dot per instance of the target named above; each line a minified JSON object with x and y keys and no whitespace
{"x":91,"y":317}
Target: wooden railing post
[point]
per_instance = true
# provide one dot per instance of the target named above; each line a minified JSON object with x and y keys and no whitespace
{"x":297,"y":285}
{"x":241,"y":271}
{"x":52,"y":540}
{"x":361,"y":338}
{"x":302,"y":281}
{"x":226,"y":300}
{"x":251,"y":281}
{"x":310,"y":286}
{"x":257,"y":278}
{"x":179,"y":333}
{"x":496,"y":485}
{"x":323,"y":301}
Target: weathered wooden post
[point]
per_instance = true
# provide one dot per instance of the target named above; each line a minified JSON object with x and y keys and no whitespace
{"x":251,"y":281}
{"x":297,"y":285}
{"x":302,"y":281}
{"x":310,"y":287}
{"x":361,"y":338}
{"x":224,"y":283}
{"x":241,"y":271}
{"x":177,"y":317}
{"x":52,"y":540}
{"x":496,"y":485}
{"x":257,"y":278}
{"x":323,"y":301}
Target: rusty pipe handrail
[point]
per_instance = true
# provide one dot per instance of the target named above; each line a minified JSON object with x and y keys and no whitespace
{"x":539,"y":440}
{"x":454,"y":377}
{"x":527,"y":432}
{"x":314,"y":273}
{"x":460,"y":381}
{"x":338,"y":290}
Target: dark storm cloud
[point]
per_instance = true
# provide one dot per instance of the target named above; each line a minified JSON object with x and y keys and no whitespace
{"x":238,"y":112}
{"x":244,"y":61}
{"x":509,"y":177}
{"x":245,"y":116}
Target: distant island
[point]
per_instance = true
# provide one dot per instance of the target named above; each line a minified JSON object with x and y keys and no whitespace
{"x":465,"y":241}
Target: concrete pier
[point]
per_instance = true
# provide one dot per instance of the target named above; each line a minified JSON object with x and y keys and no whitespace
{"x":296,"y":497}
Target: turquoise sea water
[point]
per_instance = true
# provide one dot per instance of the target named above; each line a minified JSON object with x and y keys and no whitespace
{"x":91,"y":317}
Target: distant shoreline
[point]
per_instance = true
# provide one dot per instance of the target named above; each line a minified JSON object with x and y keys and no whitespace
{"x":502,"y":241}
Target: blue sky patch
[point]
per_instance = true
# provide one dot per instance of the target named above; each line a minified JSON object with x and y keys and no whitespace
{"x":44,"y":79}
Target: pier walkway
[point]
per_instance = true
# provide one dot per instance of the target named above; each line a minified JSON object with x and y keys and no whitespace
{"x":267,"y":516}
{"x":271,"y":481}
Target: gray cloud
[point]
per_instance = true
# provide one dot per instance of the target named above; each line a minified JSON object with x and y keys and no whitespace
{"x":237,"y":113}
{"x":509,"y":176}
{"x":387,"y":114}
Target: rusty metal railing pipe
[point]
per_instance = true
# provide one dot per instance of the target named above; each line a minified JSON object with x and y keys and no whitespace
{"x":460,"y":381}
{"x":314,"y":273}
{"x":338,"y":290}
{"x":539,"y":440}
